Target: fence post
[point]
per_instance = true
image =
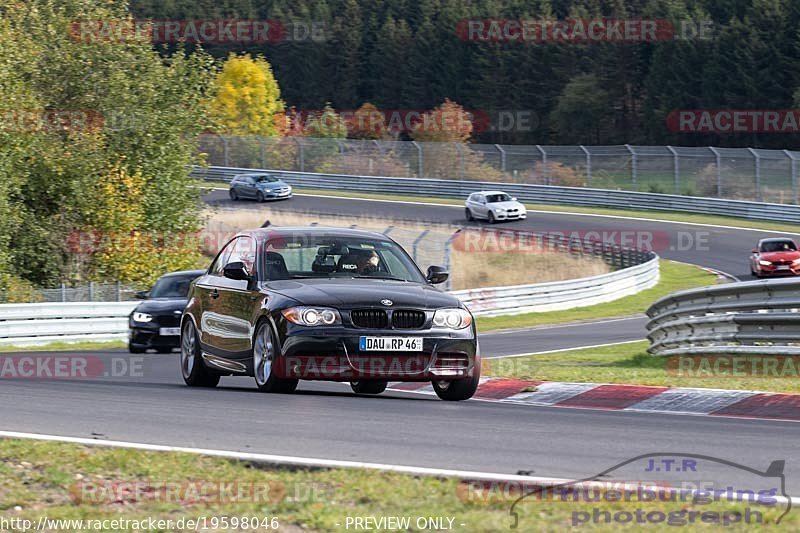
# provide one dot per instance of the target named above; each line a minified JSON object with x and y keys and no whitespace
{"x":263,"y":152}
{"x":225,"y":151}
{"x":460,"y":150}
{"x":416,"y":244}
{"x":588,"y":165}
{"x":719,"y":170}
{"x":795,"y":192}
{"x":118,"y":290}
{"x":545,"y":172}
{"x":634,"y":169}
{"x":63,"y":292}
{"x":757,"y":161}
{"x":502,"y":158}
{"x":419,"y":158}
{"x":301,"y":155}
{"x":675,"y":168}
{"x":388,"y":230}
{"x":380,"y":157}
{"x":91,"y":291}
{"x":448,"y":251}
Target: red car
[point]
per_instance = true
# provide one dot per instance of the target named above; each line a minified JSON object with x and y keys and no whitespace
{"x":775,"y":257}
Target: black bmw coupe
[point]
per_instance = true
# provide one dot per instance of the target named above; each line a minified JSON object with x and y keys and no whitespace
{"x":285,"y":304}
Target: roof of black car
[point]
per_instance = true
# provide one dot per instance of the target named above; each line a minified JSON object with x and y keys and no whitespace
{"x":311,"y":231}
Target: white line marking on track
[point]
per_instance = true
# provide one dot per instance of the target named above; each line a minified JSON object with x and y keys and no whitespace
{"x":331,"y":463}
{"x":564,"y":349}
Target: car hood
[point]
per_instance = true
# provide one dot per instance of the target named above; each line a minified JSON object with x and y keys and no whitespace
{"x":779,"y":256}
{"x":507,"y":205}
{"x":271,"y":185}
{"x":161,"y":306}
{"x":363,"y":292}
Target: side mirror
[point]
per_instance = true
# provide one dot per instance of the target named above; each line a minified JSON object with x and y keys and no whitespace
{"x":436,"y":275}
{"x":755,"y":250}
{"x":142,"y":295}
{"x":237,"y":271}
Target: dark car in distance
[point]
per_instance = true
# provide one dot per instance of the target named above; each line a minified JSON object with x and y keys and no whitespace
{"x":156,"y":322}
{"x":259,"y":187}
{"x":285,"y":304}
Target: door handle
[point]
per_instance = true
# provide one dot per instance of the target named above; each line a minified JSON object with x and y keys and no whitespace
{"x":214,"y":294}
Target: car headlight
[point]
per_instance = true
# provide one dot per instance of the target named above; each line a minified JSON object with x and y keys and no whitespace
{"x":499,"y":210}
{"x":452,"y":318}
{"x":312,"y":316}
{"x":762,"y":262}
{"x":796,"y":261}
{"x":142,"y":317}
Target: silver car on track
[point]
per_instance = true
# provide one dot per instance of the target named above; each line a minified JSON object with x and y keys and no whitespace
{"x":494,"y":206}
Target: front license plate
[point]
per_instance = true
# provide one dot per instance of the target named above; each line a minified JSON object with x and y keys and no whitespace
{"x":783,"y":267}
{"x":390,"y":344}
{"x":169,"y":332}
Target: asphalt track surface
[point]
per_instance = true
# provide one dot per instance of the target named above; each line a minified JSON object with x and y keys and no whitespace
{"x":325,"y":420}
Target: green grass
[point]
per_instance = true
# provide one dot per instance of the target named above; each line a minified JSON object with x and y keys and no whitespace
{"x":630,"y":363}
{"x":674,"y":277}
{"x":66,"y":346}
{"x":669,"y":216}
{"x":67,"y":481}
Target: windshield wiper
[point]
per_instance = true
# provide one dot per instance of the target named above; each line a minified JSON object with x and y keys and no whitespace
{"x":380,"y":277}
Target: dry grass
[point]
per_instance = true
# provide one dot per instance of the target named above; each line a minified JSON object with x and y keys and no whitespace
{"x":469,"y":270}
{"x":499,"y":269}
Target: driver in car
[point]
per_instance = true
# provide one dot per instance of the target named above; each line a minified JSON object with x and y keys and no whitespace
{"x":368,"y":263}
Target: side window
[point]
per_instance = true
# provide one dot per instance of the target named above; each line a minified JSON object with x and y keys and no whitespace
{"x":480,"y":199}
{"x":244,"y":250}
{"x":222,"y":259}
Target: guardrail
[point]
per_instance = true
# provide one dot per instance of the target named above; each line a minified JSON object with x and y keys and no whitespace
{"x":749,"y":318}
{"x":539,"y":194}
{"x":41,"y":323}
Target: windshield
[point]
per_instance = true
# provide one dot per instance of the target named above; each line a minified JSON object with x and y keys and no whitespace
{"x":172,"y":287}
{"x":265,"y":179}
{"x":336,"y":257}
{"x":495,"y":198}
{"x":778,"y":246}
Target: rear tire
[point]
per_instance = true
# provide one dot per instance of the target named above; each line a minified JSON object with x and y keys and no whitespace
{"x":194,"y":372}
{"x":460,"y":389}
{"x":470,"y":218}
{"x":234,"y":195}
{"x":265,"y":350}
{"x":368,"y":387}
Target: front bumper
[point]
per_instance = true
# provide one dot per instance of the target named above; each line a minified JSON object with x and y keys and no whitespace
{"x":774,"y":270}
{"x":314,"y":355}
{"x":510,"y":216}
{"x":275,"y":195}
{"x":149,"y":337}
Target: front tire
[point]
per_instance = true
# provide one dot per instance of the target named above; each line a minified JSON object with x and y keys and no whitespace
{"x":368,"y":387}
{"x":491,"y":218}
{"x":265,"y":350}
{"x":194,"y":372}
{"x":260,"y":196}
{"x":460,"y":389}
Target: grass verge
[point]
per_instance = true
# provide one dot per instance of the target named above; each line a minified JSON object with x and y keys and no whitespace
{"x":66,"y":347}
{"x":630,"y":363}
{"x":667,"y":216}
{"x":72,"y":482}
{"x":674,"y":277}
